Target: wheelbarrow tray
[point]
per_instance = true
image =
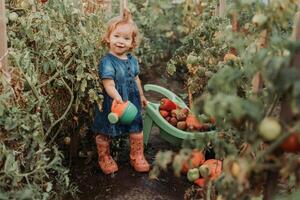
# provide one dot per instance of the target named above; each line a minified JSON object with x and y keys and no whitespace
{"x":167,"y":131}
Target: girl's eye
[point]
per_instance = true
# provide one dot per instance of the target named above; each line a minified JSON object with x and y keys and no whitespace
{"x":116,"y":35}
{"x":127,"y":38}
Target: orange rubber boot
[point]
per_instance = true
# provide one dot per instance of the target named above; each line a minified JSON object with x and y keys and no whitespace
{"x":106,"y":162}
{"x":137,"y":158}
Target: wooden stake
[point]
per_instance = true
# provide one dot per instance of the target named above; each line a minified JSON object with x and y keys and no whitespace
{"x":234,"y":22}
{"x":263,"y":40}
{"x":222,"y":8}
{"x":123,"y":5}
{"x":286,"y":113}
{"x":257,"y":81}
{"x":296,"y":30}
{"x":190,"y":96}
{"x":216,"y":12}
{"x":109,"y":8}
{"x":3,"y":37}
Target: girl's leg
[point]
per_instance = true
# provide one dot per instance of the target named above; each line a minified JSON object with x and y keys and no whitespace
{"x":106,"y":162}
{"x":137,"y":158}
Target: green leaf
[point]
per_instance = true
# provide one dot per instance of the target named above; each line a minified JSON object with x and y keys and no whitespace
{"x":162,"y":159}
{"x":10,"y":124}
{"x":79,"y":73}
{"x":46,"y":67}
{"x":296,"y":89}
{"x":9,"y":163}
{"x":83,"y":85}
{"x":25,"y":127}
{"x":225,"y":80}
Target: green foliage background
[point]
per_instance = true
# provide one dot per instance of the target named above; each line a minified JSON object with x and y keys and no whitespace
{"x":227,"y":94}
{"x":53,"y":55}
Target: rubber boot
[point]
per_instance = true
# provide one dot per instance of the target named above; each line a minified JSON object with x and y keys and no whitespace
{"x":137,"y":158}
{"x":106,"y":162}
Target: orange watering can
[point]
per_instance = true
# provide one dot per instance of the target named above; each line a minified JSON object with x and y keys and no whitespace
{"x":125,"y":112}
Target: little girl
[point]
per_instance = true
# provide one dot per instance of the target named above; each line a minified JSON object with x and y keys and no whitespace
{"x":118,"y":72}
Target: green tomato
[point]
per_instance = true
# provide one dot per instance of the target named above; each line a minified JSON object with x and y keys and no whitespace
{"x":228,"y":28}
{"x":269,"y":129}
{"x":201,"y":71}
{"x":259,"y":19}
{"x":204,"y":171}
{"x":25,"y":5}
{"x":191,"y":59}
{"x":13,"y":16}
{"x":193,"y":174}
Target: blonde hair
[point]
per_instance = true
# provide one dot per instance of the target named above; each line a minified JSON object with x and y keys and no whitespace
{"x":126,"y":18}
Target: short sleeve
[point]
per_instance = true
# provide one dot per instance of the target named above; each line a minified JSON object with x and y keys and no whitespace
{"x":136,"y":67}
{"x":106,"y":70}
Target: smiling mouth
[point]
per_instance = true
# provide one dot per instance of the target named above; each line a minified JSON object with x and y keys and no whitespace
{"x":120,"y":46}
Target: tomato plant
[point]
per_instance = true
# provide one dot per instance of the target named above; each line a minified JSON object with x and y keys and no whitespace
{"x":54,"y":78}
{"x":162,"y":26}
{"x":248,"y":142}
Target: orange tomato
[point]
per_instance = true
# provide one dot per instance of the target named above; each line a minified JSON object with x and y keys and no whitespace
{"x":197,"y":159}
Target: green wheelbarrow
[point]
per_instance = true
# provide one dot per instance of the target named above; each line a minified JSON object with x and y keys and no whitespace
{"x":152,"y":117}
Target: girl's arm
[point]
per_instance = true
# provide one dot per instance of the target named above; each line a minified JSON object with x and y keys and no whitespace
{"x":110,"y":88}
{"x":143,"y":98}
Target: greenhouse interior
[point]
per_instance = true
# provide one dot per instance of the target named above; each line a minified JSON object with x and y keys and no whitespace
{"x":150,"y":100}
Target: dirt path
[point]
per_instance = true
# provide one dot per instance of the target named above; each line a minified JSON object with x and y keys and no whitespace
{"x":126,"y":183}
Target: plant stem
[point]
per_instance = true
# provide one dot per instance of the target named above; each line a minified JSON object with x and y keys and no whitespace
{"x":270,"y":111}
{"x":274,"y":145}
{"x":56,"y":74}
{"x":49,"y":80}
{"x":56,"y":134}
{"x":35,"y":92}
{"x":66,"y":111}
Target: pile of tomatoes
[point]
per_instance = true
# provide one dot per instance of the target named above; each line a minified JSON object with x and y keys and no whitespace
{"x":183,"y":119}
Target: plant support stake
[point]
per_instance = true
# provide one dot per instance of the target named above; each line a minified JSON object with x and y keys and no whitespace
{"x":123,"y":5}
{"x":3,"y":38}
{"x":222,"y":8}
{"x":286,"y":113}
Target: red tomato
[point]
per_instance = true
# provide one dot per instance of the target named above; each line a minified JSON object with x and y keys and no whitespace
{"x":213,"y":120}
{"x":291,"y":144}
{"x":200,"y":182}
{"x":197,"y":159}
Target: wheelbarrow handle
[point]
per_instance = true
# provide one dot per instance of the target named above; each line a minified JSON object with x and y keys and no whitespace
{"x":167,"y":93}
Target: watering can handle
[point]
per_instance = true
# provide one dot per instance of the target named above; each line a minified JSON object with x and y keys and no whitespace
{"x":170,"y":95}
{"x":114,"y":107}
{"x":114,"y":103}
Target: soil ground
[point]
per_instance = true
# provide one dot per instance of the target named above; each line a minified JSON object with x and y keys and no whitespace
{"x":126,"y":183}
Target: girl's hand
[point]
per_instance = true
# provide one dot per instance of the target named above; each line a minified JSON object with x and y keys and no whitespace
{"x":118,"y":99}
{"x":144,"y":101}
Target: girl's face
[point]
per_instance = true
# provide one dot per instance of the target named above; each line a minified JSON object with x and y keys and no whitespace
{"x":120,"y":39}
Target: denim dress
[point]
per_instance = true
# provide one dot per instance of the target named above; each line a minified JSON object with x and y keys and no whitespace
{"x":123,"y":72}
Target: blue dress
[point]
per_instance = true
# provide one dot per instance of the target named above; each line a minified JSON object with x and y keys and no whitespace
{"x":123,"y":72}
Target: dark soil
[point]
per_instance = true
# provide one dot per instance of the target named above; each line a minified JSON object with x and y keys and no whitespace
{"x":126,"y":183}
